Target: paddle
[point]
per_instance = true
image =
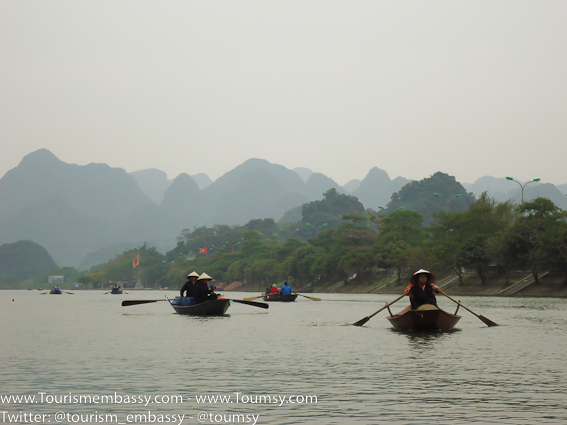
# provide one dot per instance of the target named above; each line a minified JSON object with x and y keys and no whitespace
{"x":367,"y":318}
{"x":136,"y":302}
{"x":484,"y":319}
{"x":311,"y":298}
{"x":71,"y":293}
{"x":252,"y":303}
{"x":253,"y":298}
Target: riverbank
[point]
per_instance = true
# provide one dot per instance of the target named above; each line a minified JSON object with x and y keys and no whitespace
{"x":550,"y":285}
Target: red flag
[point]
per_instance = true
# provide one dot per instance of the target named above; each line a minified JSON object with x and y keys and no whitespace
{"x":136,"y":261}
{"x":203,"y":250}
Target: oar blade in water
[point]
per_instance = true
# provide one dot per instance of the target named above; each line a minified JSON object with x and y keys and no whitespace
{"x":487,"y":321}
{"x":136,"y":302}
{"x":252,"y":303}
{"x":361,"y":322}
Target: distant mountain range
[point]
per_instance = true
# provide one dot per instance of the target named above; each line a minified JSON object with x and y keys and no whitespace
{"x":87,"y":214}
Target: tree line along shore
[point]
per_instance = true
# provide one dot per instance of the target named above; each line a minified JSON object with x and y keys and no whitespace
{"x":335,"y":248}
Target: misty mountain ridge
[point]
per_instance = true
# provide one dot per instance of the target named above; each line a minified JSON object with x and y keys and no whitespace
{"x":154,"y":182}
{"x":88,"y":214}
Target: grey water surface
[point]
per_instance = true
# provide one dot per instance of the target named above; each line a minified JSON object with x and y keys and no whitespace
{"x":87,"y":359}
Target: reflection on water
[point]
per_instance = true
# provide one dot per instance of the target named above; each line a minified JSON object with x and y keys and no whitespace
{"x":425,"y":339}
{"x":88,"y":344}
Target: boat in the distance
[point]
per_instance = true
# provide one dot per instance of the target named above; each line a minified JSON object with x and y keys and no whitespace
{"x":187,"y":305}
{"x":279,"y":297}
{"x":426,"y":318}
{"x":55,"y":292}
{"x":116,"y":290}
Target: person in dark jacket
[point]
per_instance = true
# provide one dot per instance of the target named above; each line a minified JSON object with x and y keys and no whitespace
{"x":187,"y":287}
{"x":421,"y":289}
{"x":201,"y":290}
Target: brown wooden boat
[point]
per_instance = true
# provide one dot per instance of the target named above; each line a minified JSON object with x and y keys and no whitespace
{"x":279,"y":297}
{"x":208,"y":308}
{"x":426,"y":318}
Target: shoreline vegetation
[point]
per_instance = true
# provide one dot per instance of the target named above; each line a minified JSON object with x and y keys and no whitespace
{"x":551,"y":285}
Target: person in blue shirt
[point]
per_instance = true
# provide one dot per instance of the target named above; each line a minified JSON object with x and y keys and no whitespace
{"x":285,"y":289}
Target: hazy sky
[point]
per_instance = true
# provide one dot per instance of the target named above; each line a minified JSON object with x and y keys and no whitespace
{"x":470,"y":88}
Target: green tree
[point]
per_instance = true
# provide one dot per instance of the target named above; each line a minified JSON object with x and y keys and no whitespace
{"x":419,"y":196}
{"x":402,"y":225}
{"x":400,"y":232}
{"x":96,"y":280}
{"x":467,"y":238}
{"x":552,"y":245}
{"x":151,"y":271}
{"x":24,"y":260}
{"x":536,"y":226}
{"x":472,"y":254}
{"x":330,"y":208}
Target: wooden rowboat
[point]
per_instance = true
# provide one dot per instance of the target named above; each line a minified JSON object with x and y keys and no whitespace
{"x":278,"y":297}
{"x":208,"y":308}
{"x":426,"y":318}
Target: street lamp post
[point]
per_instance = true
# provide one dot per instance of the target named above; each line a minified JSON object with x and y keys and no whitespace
{"x":522,"y":185}
{"x":449,"y":200}
{"x":316,"y":228}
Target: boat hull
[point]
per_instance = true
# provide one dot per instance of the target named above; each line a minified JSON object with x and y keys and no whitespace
{"x":428,"y":319}
{"x":208,"y":308}
{"x":281,"y":298}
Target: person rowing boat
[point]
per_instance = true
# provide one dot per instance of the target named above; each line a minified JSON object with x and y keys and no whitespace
{"x":201,"y":290}
{"x":421,"y":289}
{"x":188,"y":286}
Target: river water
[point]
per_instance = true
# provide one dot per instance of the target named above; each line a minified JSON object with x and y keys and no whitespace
{"x":87,"y":359}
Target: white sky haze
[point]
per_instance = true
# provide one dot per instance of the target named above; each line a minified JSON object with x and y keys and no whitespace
{"x":470,"y":88}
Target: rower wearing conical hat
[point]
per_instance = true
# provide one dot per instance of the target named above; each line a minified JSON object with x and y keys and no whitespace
{"x":187,"y":287}
{"x":201,"y":290}
{"x":421,"y":289}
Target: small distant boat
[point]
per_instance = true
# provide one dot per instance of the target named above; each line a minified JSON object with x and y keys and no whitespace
{"x":278,"y":297}
{"x":426,"y":318}
{"x":116,"y":290}
{"x":187,"y":305}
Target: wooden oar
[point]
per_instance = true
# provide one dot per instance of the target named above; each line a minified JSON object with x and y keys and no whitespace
{"x":367,"y":318}
{"x":71,"y":293}
{"x":136,"y":302}
{"x":253,"y":298}
{"x":311,"y":298}
{"x":484,"y":319}
{"x":252,"y":303}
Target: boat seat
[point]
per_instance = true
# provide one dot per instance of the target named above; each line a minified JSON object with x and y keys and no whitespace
{"x":425,"y":307}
